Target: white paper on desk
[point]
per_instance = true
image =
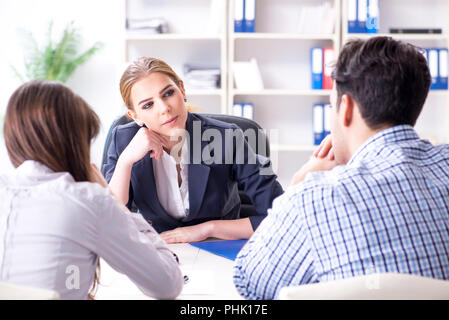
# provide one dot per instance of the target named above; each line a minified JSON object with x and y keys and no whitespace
{"x":247,"y":75}
{"x":201,"y":281}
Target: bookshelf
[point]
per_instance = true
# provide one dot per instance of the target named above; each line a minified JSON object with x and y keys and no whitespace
{"x":196,"y":35}
{"x":284,"y":107}
{"x":416,"y":14}
{"x":282,"y":51}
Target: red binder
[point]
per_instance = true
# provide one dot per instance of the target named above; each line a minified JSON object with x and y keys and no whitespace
{"x":328,"y":59}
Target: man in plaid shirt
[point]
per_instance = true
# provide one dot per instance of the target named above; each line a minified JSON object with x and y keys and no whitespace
{"x":374,"y":198}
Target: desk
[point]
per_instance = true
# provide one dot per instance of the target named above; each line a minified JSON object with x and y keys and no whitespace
{"x":210,"y":277}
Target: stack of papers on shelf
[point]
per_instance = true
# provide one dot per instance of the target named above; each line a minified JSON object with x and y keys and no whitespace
{"x":247,"y":75}
{"x":316,"y":19}
{"x":150,"y":25}
{"x":201,"y":77}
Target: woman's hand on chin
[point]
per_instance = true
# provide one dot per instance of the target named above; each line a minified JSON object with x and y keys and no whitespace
{"x":144,"y":141}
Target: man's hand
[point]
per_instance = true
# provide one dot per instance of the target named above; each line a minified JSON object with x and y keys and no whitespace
{"x":325,"y":149}
{"x":323,"y":159}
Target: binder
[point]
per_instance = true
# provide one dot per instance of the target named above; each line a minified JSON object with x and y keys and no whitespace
{"x":352,"y":16}
{"x":328,"y":57}
{"x":224,"y":248}
{"x":372,"y":21}
{"x":248,"y":111}
{"x":316,"y":54}
{"x":318,"y":123}
{"x":327,"y":119}
{"x":250,"y":16}
{"x":237,"y":109}
{"x":432,"y":58}
{"x":238,"y":15}
{"x":442,"y":68}
{"x":362,"y":12}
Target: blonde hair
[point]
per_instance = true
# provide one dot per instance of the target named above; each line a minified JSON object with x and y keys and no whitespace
{"x":139,"y":69}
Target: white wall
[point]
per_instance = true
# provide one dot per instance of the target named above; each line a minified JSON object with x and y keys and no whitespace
{"x":97,"y":81}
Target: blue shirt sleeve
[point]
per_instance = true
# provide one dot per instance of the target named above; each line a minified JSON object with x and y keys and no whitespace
{"x":278,"y":254}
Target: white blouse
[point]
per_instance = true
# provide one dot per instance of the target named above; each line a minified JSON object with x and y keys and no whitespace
{"x":53,"y":229}
{"x":173,"y":198}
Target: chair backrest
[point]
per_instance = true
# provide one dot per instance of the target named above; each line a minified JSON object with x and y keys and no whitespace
{"x":241,"y":122}
{"x":377,"y":286}
{"x":9,"y":291}
{"x":245,"y":124}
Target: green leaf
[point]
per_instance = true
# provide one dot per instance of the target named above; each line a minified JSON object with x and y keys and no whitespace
{"x":57,"y":60}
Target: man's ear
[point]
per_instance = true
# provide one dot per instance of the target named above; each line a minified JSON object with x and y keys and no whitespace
{"x":346,"y":110}
{"x":133,"y":116}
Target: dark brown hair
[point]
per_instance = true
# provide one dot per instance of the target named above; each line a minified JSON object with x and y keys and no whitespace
{"x":48,"y":123}
{"x":389,"y":79}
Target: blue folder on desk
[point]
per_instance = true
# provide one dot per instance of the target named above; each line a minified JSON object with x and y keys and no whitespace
{"x":225,"y":248}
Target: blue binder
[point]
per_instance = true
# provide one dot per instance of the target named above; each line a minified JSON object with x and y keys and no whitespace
{"x":372,"y":20}
{"x":442,"y":69}
{"x":237,"y":109}
{"x":248,"y":111}
{"x":239,"y":7}
{"x":432,"y":59}
{"x":250,"y":15}
{"x":318,"y":123}
{"x":224,"y":248}
{"x":362,"y":13}
{"x":316,"y":64}
{"x":352,"y":16}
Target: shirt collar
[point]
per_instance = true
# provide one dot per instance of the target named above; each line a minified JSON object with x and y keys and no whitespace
{"x":184,"y":154}
{"x":32,"y":172}
{"x":394,"y":134}
{"x":31,"y":167}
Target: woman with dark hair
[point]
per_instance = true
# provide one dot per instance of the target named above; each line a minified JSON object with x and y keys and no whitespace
{"x":57,"y":216}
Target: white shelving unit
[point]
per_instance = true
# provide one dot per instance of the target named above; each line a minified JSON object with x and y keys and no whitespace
{"x":196,"y":35}
{"x":416,"y":14}
{"x":284,"y":106}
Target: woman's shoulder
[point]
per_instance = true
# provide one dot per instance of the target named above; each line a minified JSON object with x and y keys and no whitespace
{"x":123,"y":134}
{"x":129,"y":128}
{"x":89,"y":193}
{"x":208,"y":122}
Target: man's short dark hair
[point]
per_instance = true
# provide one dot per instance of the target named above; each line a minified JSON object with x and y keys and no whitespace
{"x":388,"y":79}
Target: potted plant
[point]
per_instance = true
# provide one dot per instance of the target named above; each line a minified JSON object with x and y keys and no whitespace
{"x":55,"y":61}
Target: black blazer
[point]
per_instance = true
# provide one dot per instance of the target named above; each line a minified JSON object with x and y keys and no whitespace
{"x":213,"y":192}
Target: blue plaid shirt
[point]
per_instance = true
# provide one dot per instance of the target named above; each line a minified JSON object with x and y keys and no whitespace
{"x":386,"y":210}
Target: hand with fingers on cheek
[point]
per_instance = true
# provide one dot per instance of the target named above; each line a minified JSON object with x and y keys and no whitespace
{"x":144,"y":141}
{"x":195,"y":233}
{"x":322,"y":159}
{"x":325,"y":149}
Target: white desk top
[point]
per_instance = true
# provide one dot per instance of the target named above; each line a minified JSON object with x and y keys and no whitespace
{"x":210,"y":277}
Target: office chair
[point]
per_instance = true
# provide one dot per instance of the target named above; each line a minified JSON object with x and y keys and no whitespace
{"x":9,"y":291}
{"x":377,"y":286}
{"x":247,"y":208}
